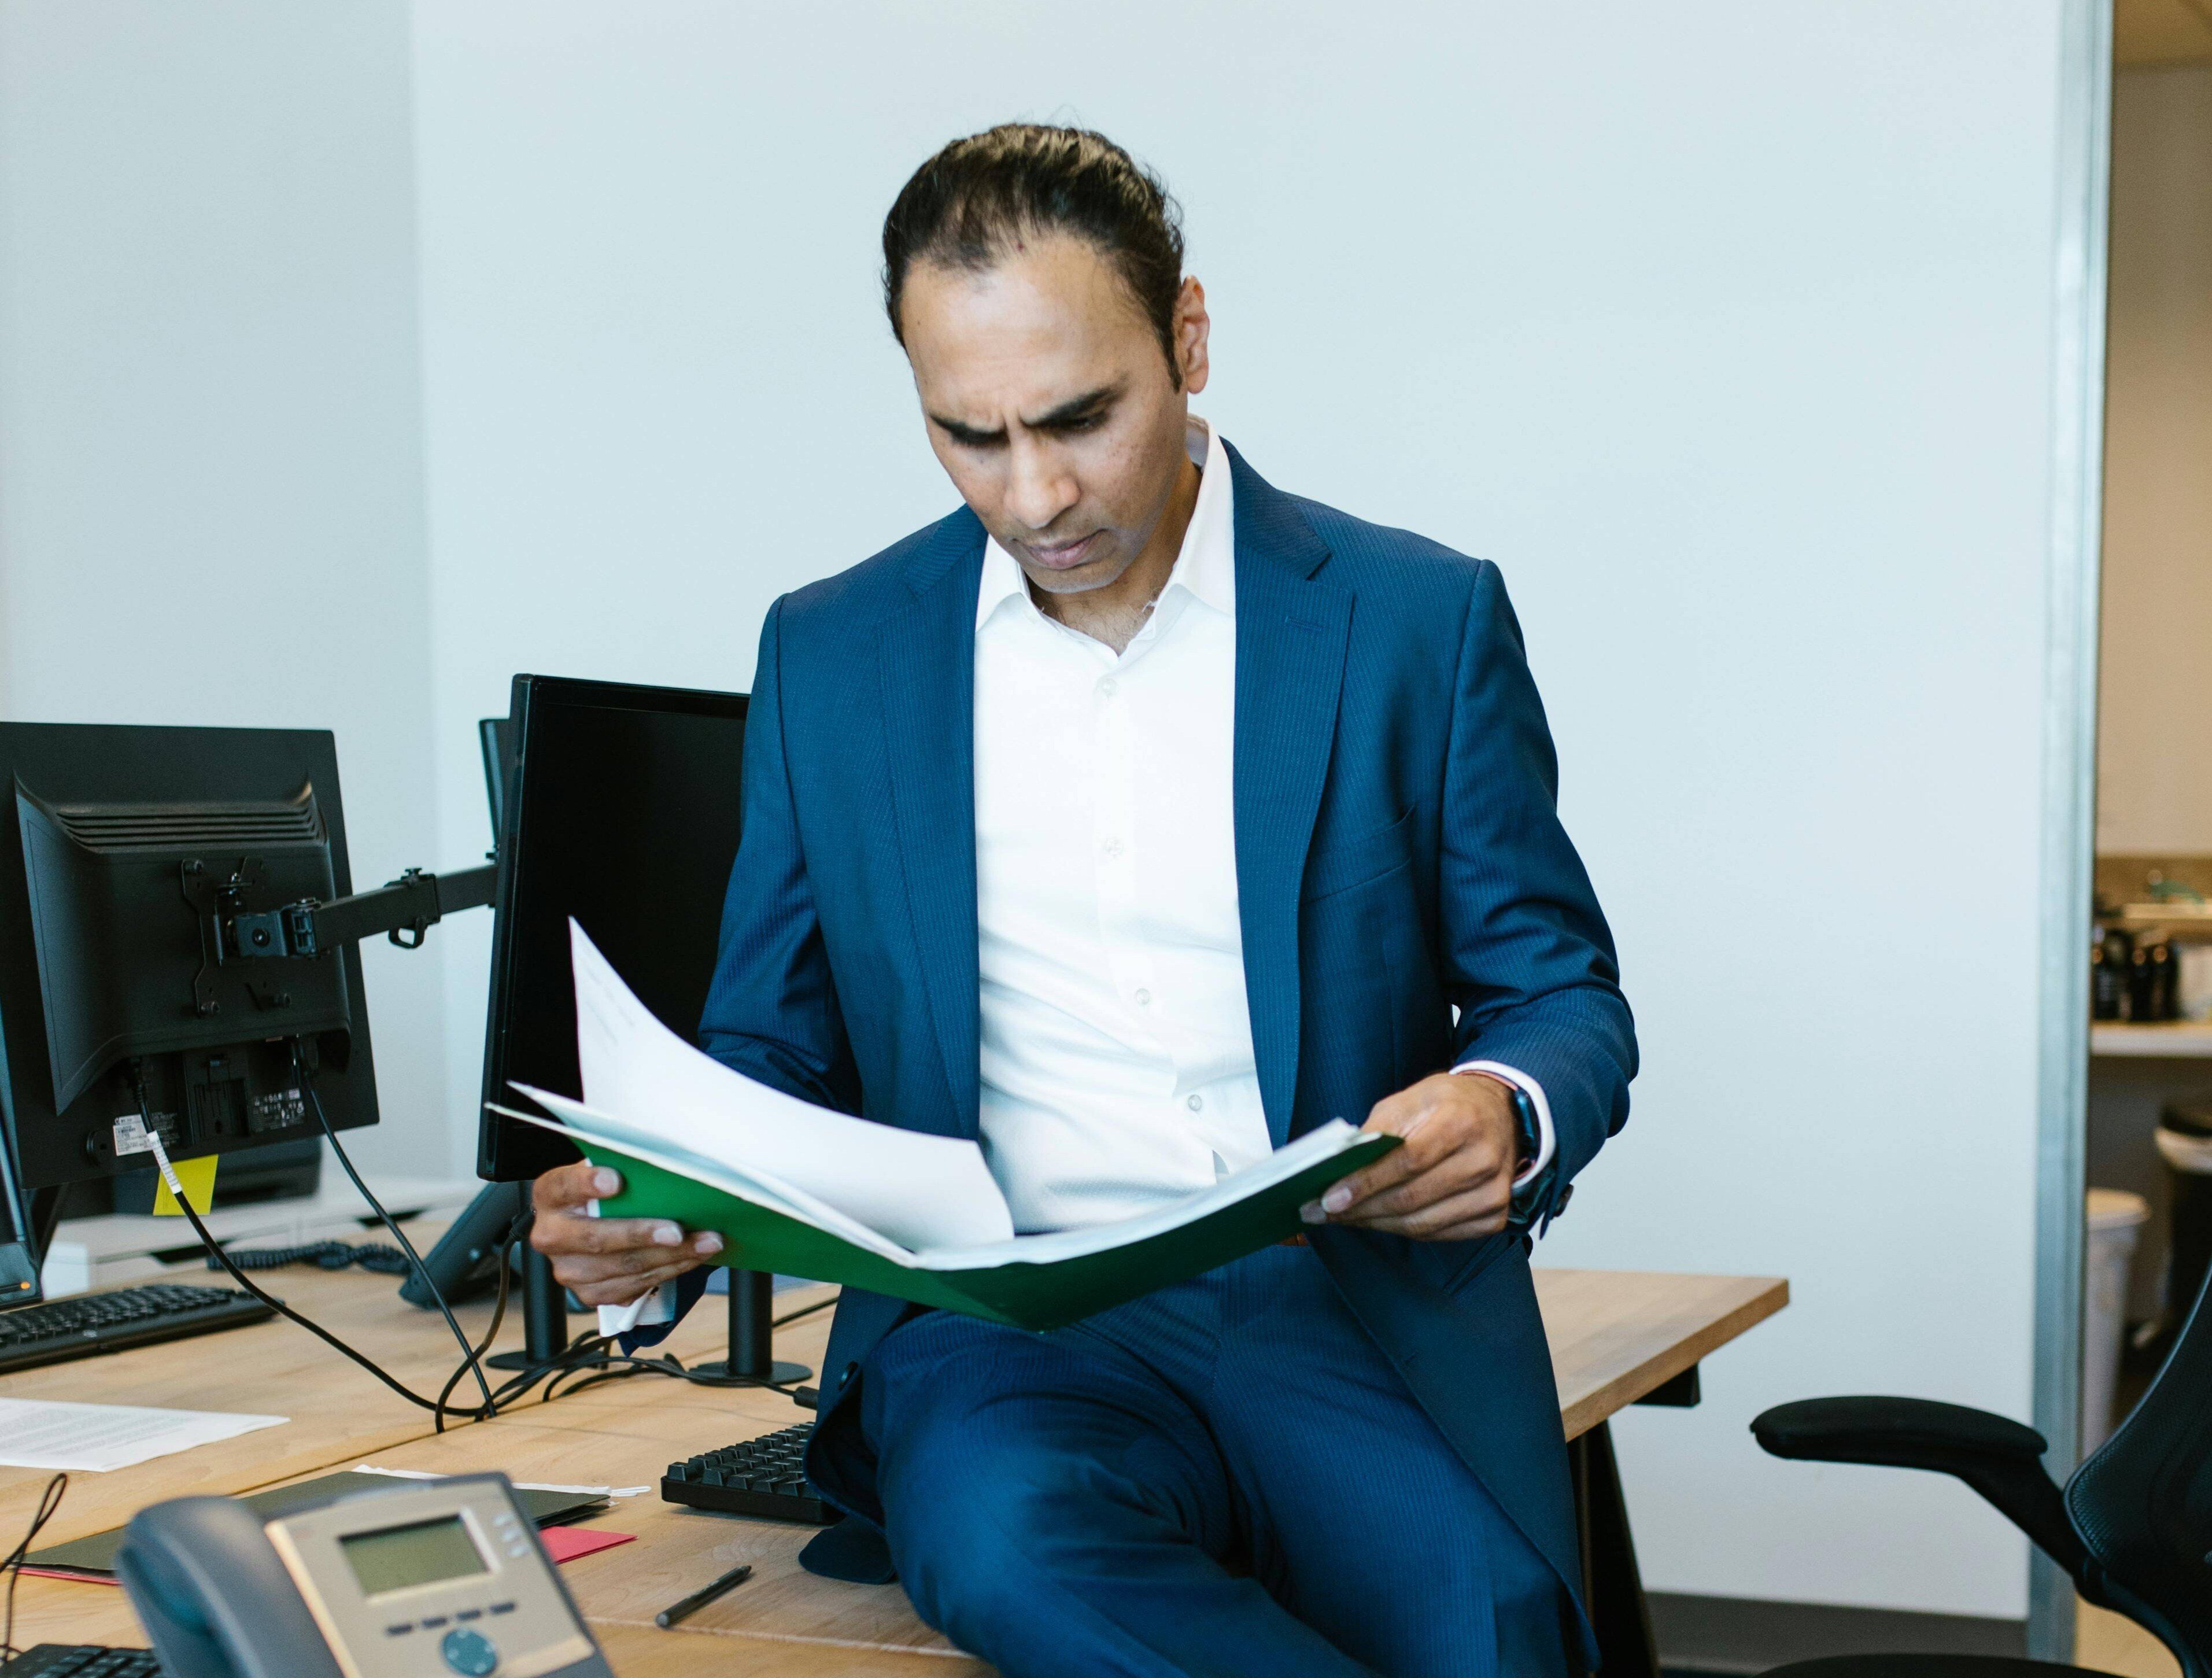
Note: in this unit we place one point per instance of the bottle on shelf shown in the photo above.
(2108, 978)
(2164, 981)
(2143, 987)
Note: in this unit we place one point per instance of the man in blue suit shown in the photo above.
(1131, 820)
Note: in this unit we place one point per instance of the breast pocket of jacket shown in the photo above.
(1364, 858)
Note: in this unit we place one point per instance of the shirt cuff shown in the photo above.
(1521, 1080)
(647, 1311)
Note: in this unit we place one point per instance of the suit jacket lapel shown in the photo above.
(1292, 629)
(926, 660)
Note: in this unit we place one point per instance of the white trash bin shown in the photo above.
(2116, 1218)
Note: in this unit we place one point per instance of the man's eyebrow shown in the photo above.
(1069, 412)
(1076, 408)
(969, 435)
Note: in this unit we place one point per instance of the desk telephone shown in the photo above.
(429, 1579)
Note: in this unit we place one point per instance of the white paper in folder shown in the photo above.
(919, 1190)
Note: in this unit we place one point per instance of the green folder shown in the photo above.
(1000, 1283)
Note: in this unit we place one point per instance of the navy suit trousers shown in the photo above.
(1226, 1476)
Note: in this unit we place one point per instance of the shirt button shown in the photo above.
(1112, 848)
(1144, 999)
(1109, 688)
(1196, 1103)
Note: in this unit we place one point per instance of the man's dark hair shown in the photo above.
(968, 206)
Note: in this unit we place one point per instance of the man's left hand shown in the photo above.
(1451, 1176)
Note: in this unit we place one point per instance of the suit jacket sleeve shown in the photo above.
(772, 1010)
(1528, 958)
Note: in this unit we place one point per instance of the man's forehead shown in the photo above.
(1044, 324)
(1028, 390)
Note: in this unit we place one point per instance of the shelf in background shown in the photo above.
(2181, 1039)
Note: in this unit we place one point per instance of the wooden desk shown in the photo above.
(1617, 1338)
(339, 1412)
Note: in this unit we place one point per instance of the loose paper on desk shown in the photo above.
(919, 1190)
(97, 1437)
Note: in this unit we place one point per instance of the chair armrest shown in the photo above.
(2001, 1459)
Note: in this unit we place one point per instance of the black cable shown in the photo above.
(586, 1358)
(372, 1257)
(469, 1358)
(804, 1310)
(12, 1564)
(611, 1365)
(518, 1229)
(215, 1248)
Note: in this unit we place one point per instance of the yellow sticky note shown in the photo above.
(197, 1176)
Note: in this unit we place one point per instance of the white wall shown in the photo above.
(1723, 326)
(211, 468)
(2153, 746)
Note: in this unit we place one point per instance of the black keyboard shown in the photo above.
(82, 1660)
(765, 1477)
(94, 1323)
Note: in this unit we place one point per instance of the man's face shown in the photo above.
(1048, 402)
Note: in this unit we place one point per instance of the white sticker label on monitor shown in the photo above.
(130, 1136)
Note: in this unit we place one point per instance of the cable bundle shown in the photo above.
(371, 1256)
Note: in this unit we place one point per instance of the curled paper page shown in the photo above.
(919, 1190)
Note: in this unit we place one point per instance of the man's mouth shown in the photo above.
(1064, 555)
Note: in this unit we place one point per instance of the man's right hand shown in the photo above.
(608, 1261)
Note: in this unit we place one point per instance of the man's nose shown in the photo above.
(1040, 488)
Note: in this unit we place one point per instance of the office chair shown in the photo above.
(2133, 1526)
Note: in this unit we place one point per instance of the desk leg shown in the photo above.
(1613, 1588)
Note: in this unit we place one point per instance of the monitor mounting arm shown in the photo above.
(404, 911)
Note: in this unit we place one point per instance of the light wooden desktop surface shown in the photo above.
(1615, 1336)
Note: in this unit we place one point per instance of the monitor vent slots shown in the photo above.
(123, 827)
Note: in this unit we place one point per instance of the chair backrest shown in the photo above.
(2142, 1503)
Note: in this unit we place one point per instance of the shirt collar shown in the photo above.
(1204, 567)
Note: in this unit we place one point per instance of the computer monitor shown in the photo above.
(19, 1251)
(496, 739)
(624, 811)
(131, 861)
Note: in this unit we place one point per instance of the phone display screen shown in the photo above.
(400, 1557)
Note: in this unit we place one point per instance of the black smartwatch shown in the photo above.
(1530, 1197)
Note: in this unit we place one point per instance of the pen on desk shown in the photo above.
(699, 1599)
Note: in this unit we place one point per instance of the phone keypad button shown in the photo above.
(400, 1631)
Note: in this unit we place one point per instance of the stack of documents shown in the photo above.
(802, 1191)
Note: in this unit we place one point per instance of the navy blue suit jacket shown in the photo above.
(1398, 856)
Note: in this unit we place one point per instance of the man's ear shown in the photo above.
(1192, 324)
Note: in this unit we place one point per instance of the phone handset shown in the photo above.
(216, 1597)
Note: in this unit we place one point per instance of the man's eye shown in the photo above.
(1087, 423)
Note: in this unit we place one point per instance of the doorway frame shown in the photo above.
(2072, 570)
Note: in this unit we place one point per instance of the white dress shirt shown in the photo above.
(1116, 1048)
(1117, 1067)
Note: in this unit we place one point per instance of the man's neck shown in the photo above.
(1116, 613)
